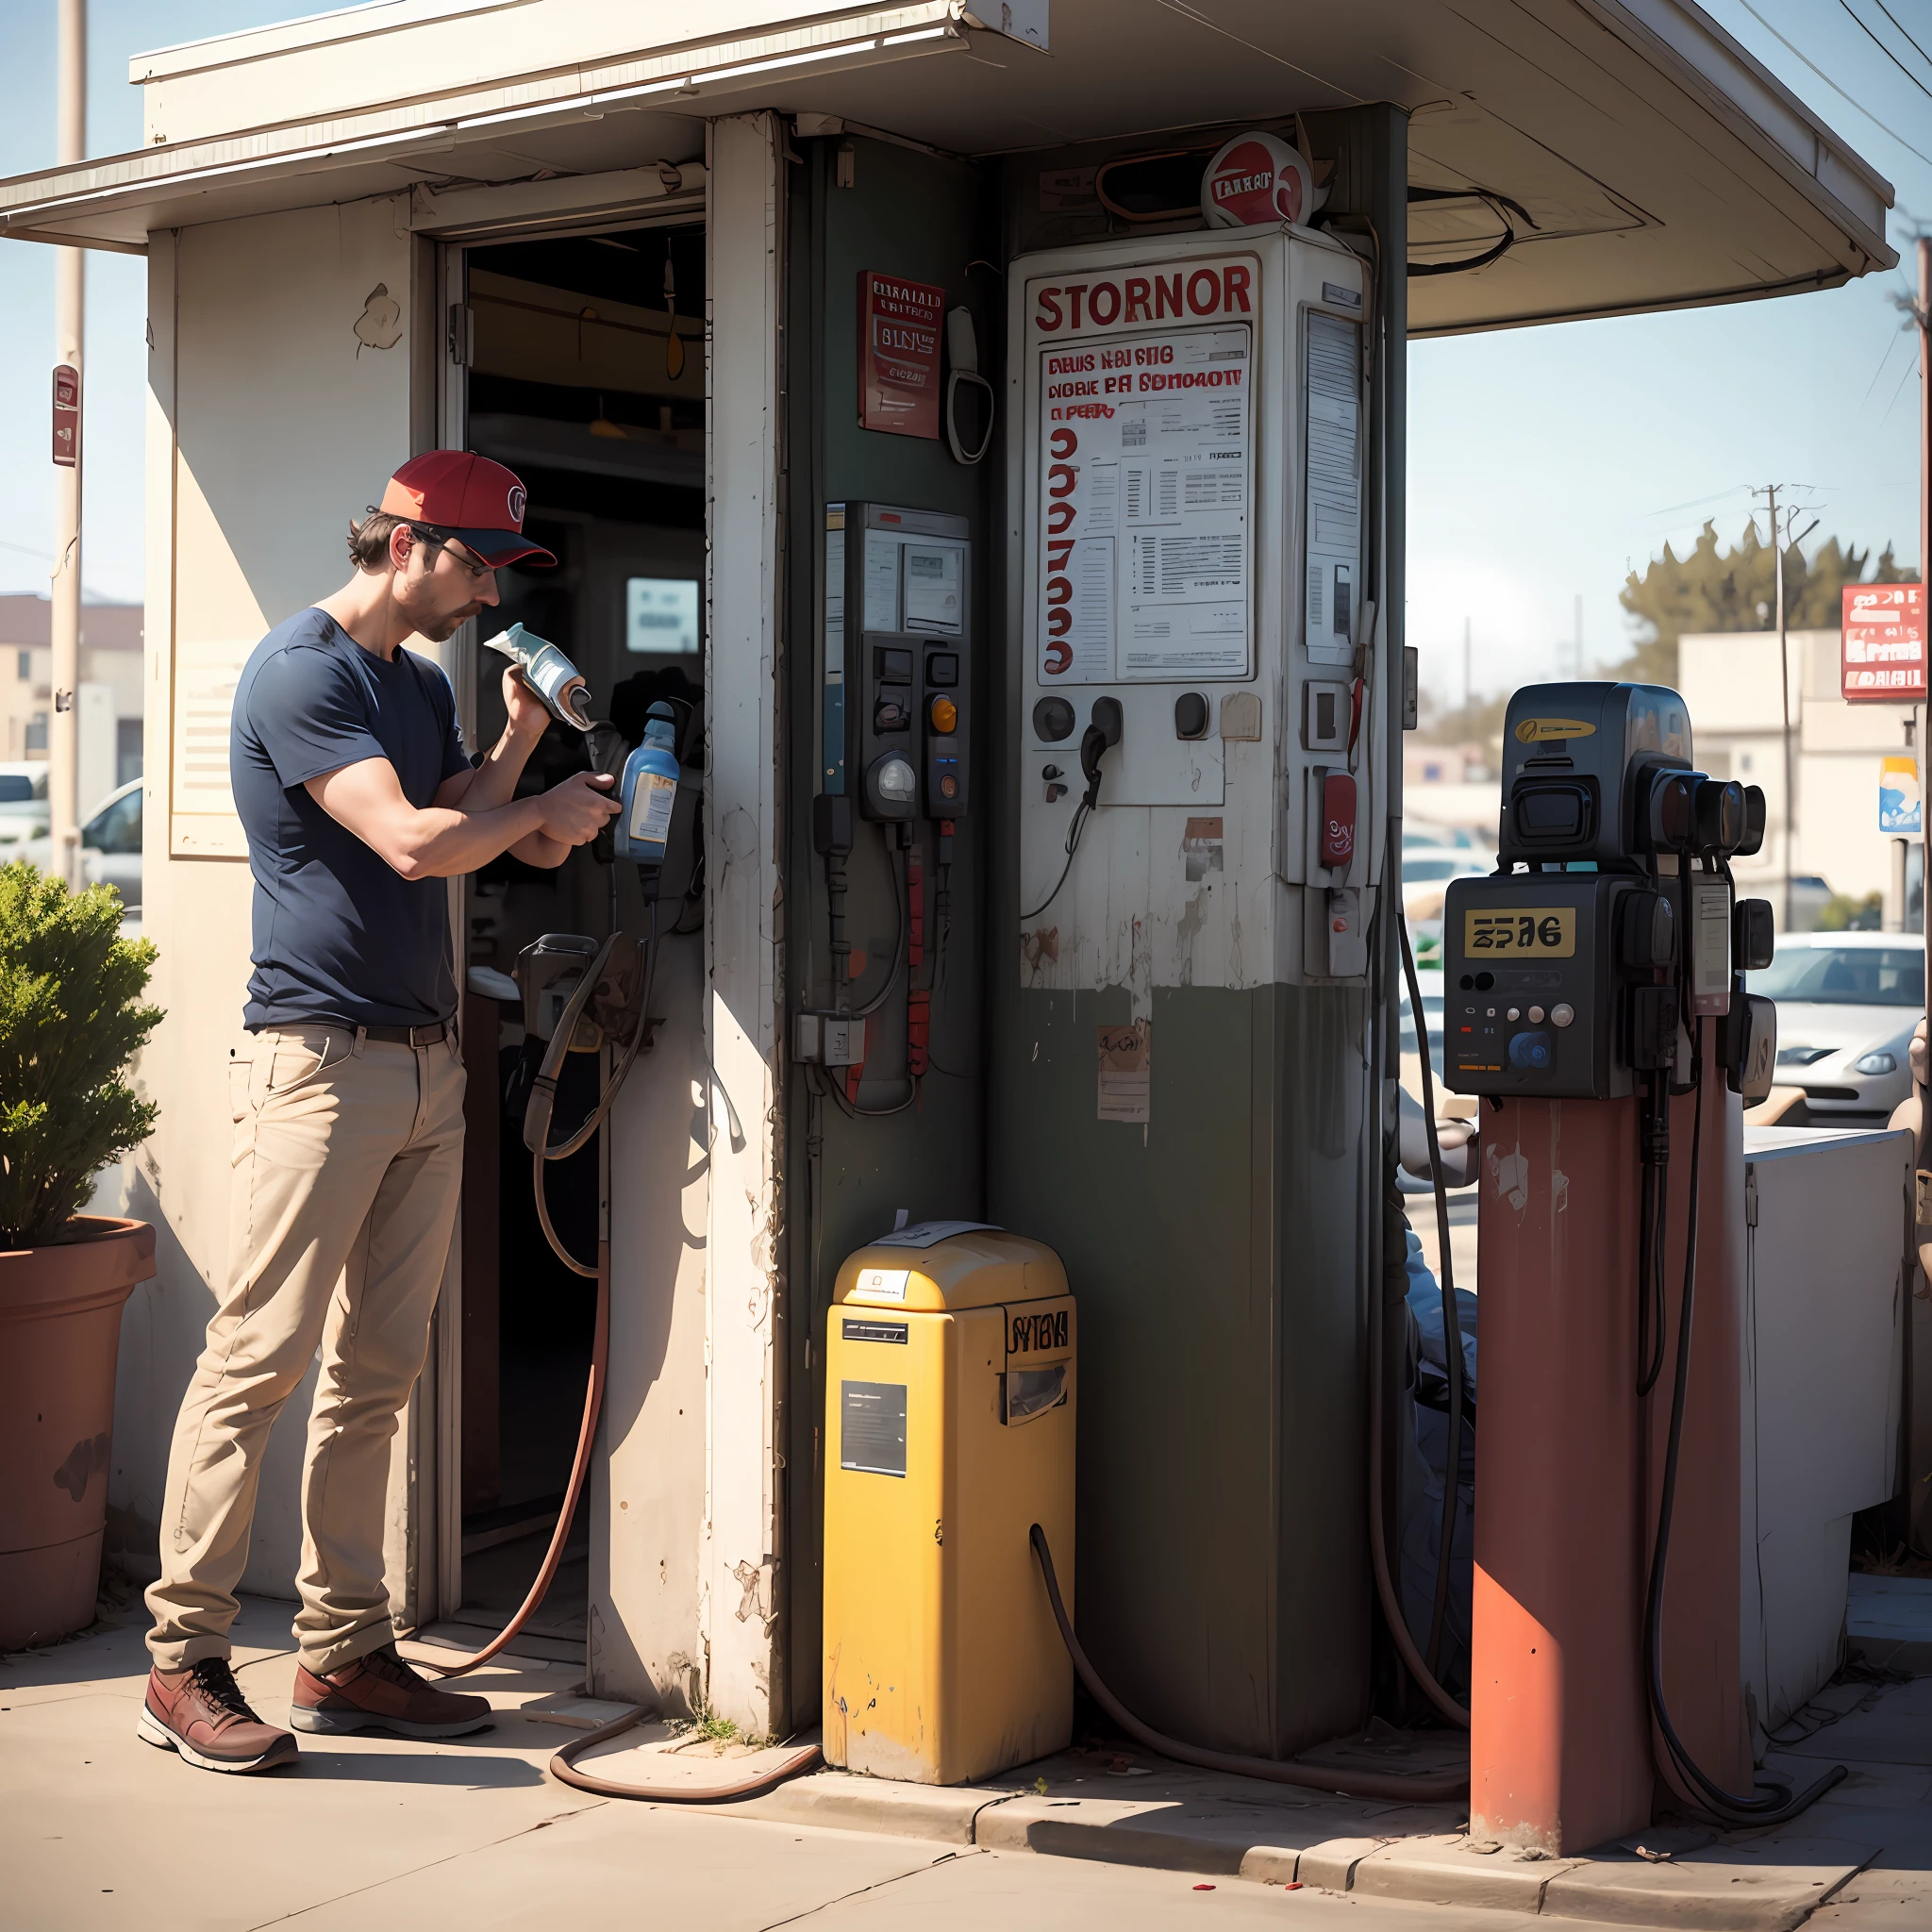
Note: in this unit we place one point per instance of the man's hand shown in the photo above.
(576, 810)
(528, 715)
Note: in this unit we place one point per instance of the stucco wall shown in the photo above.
(266, 432)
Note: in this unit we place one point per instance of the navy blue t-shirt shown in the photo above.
(340, 937)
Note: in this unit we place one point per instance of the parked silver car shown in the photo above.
(109, 845)
(1846, 1006)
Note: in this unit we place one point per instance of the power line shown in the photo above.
(1886, 51)
(1901, 27)
(1880, 370)
(1670, 509)
(1910, 372)
(1832, 84)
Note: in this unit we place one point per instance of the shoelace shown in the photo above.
(217, 1685)
(385, 1663)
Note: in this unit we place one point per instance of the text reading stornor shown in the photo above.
(1145, 482)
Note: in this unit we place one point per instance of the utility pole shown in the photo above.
(1784, 678)
(1925, 321)
(1468, 690)
(69, 319)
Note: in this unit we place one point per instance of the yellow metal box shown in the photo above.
(949, 1432)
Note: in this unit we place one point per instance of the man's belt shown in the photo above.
(432, 1035)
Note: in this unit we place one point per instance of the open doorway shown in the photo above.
(587, 378)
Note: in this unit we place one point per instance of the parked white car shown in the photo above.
(109, 845)
(1421, 833)
(1846, 1006)
(1426, 871)
(23, 805)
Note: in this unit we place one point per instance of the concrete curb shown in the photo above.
(1183, 1821)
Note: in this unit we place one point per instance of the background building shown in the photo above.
(110, 689)
(1730, 682)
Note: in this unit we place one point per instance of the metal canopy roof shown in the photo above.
(1662, 165)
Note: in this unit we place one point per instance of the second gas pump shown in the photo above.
(1593, 997)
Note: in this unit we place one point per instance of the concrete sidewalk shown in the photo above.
(98, 1829)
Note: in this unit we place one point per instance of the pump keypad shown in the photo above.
(1529, 988)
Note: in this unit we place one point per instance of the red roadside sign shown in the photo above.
(1882, 655)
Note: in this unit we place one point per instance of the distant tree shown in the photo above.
(1479, 722)
(1738, 590)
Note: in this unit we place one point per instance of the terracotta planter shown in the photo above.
(59, 1330)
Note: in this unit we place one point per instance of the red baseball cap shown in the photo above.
(466, 496)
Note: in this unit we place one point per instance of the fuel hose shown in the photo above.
(1280, 1771)
(538, 1127)
(1772, 1803)
(798, 1759)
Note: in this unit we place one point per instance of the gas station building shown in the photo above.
(681, 285)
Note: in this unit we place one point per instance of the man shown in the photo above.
(347, 1103)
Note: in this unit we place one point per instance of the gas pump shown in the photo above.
(580, 995)
(1593, 998)
(898, 732)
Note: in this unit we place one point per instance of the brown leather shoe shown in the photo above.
(381, 1692)
(201, 1713)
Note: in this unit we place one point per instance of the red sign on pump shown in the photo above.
(1338, 821)
(66, 415)
(1882, 653)
(899, 327)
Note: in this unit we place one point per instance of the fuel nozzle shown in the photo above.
(1755, 815)
(1718, 816)
(1690, 812)
(544, 668)
(1101, 735)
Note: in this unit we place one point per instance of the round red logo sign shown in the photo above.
(517, 501)
(1256, 181)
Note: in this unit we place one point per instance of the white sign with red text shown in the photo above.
(1883, 652)
(1145, 480)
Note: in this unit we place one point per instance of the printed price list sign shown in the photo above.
(1145, 476)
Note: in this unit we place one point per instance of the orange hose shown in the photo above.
(579, 1471)
(563, 1767)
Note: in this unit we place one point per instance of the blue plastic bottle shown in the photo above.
(649, 790)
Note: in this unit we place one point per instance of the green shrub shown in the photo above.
(69, 1026)
(1842, 913)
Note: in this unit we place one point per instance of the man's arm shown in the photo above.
(440, 841)
(494, 783)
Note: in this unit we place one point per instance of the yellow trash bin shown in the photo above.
(949, 1433)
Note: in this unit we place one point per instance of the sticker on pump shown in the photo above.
(1548, 931)
(882, 1284)
(650, 807)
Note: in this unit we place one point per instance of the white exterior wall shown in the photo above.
(266, 432)
(252, 478)
(741, 1020)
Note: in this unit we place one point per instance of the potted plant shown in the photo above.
(71, 1020)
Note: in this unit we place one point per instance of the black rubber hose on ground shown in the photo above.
(1314, 1777)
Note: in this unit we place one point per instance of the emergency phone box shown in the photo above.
(949, 1432)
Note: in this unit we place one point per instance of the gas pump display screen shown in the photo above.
(1548, 932)
(1145, 482)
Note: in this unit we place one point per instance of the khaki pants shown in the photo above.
(348, 1156)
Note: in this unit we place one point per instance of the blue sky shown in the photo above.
(1574, 462)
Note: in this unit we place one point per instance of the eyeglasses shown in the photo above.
(441, 540)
